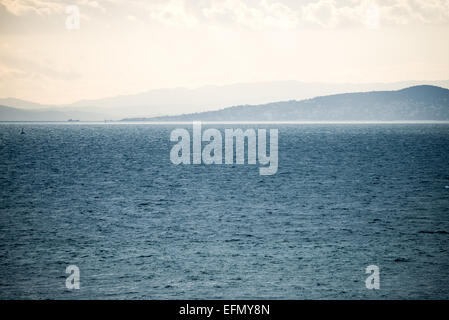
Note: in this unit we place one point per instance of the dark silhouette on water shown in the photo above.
(23, 132)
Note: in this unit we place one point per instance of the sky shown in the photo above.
(58, 52)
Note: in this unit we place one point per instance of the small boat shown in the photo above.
(23, 132)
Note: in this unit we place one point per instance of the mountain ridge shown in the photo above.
(14, 114)
(181, 100)
(422, 102)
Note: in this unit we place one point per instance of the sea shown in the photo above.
(106, 198)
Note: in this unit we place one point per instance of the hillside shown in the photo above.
(16, 114)
(414, 103)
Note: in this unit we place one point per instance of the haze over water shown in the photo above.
(107, 199)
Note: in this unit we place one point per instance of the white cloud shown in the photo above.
(257, 14)
(45, 7)
(172, 13)
(39, 7)
(327, 13)
(416, 11)
(324, 13)
(331, 13)
(265, 14)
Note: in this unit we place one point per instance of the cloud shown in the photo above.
(415, 11)
(255, 15)
(264, 14)
(331, 13)
(44, 7)
(39, 7)
(172, 13)
(324, 13)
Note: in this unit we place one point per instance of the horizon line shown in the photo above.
(118, 122)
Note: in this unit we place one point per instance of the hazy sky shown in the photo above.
(130, 46)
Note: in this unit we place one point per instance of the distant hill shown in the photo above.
(175, 101)
(423, 102)
(21, 104)
(163, 103)
(15, 114)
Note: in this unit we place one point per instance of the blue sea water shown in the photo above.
(107, 198)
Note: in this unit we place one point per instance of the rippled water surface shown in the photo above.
(107, 199)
